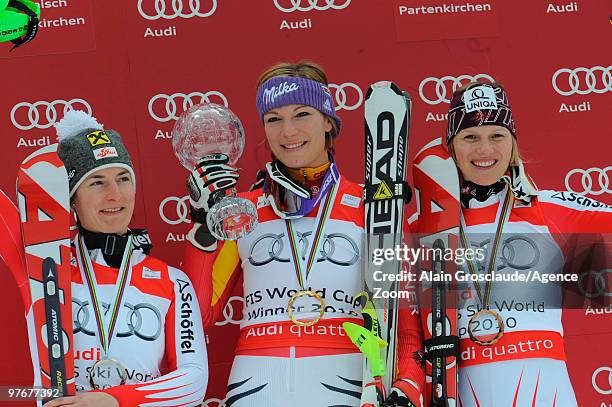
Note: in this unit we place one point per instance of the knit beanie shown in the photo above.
(85, 147)
(479, 105)
(289, 90)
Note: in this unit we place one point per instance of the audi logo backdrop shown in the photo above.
(136, 65)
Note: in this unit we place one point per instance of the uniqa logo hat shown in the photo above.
(479, 105)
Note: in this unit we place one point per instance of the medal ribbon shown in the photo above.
(329, 188)
(503, 213)
(331, 177)
(105, 334)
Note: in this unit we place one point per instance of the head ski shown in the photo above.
(387, 119)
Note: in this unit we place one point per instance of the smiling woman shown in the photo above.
(113, 271)
(104, 202)
(301, 265)
(295, 135)
(526, 232)
(481, 137)
(484, 147)
(483, 153)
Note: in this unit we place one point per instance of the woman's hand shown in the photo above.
(209, 180)
(89, 399)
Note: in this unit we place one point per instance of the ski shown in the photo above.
(11, 248)
(387, 119)
(44, 210)
(436, 184)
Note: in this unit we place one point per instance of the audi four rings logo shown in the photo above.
(441, 89)
(343, 101)
(268, 248)
(171, 9)
(594, 181)
(229, 312)
(163, 108)
(178, 211)
(599, 283)
(517, 252)
(601, 374)
(289, 6)
(133, 320)
(43, 114)
(582, 81)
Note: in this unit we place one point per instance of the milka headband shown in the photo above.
(292, 90)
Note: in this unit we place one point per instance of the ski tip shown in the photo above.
(385, 85)
(431, 144)
(52, 148)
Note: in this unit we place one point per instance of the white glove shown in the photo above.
(209, 180)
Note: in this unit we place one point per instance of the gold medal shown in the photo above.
(107, 373)
(305, 293)
(500, 329)
(298, 250)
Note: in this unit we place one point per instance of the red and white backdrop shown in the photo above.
(136, 65)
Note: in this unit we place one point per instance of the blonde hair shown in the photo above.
(309, 70)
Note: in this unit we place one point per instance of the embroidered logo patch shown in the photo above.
(480, 98)
(97, 138)
(151, 274)
(350, 200)
(105, 152)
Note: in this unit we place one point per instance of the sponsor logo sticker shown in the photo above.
(327, 105)
(262, 201)
(383, 192)
(480, 98)
(350, 200)
(151, 274)
(97, 138)
(105, 152)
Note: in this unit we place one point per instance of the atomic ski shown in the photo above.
(44, 209)
(387, 119)
(436, 184)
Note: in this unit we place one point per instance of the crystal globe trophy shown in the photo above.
(209, 128)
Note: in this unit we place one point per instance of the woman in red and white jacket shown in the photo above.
(305, 255)
(130, 310)
(530, 231)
